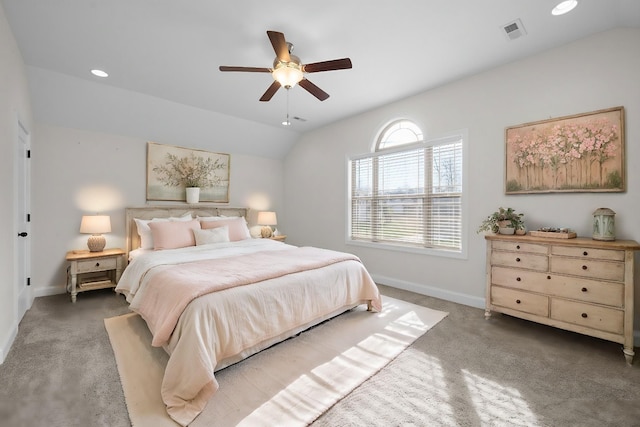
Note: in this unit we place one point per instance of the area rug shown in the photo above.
(289, 384)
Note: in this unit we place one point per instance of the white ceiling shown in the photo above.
(172, 49)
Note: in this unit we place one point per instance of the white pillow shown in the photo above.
(146, 238)
(211, 235)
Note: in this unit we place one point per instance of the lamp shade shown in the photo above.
(267, 218)
(95, 224)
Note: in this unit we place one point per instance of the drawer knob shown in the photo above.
(584, 267)
(518, 279)
(517, 301)
(518, 247)
(517, 259)
(548, 277)
(584, 315)
(585, 253)
(97, 264)
(584, 289)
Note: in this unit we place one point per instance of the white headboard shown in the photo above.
(150, 212)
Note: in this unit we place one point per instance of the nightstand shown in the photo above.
(279, 238)
(93, 270)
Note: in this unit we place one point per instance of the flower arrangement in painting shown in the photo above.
(502, 218)
(565, 156)
(192, 171)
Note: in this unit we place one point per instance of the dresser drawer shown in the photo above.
(520, 247)
(521, 301)
(606, 293)
(520, 279)
(606, 270)
(588, 253)
(520, 260)
(591, 316)
(100, 264)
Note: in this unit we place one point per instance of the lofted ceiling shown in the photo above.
(172, 49)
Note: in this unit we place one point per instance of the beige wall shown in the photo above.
(590, 74)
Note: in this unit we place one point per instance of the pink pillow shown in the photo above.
(173, 234)
(238, 229)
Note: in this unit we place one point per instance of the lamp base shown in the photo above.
(266, 232)
(96, 243)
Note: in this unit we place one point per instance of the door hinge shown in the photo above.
(28, 154)
(28, 217)
(28, 281)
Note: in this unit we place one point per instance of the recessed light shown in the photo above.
(564, 7)
(99, 73)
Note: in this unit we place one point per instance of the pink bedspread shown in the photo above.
(172, 287)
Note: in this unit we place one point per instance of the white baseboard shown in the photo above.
(49, 290)
(431, 291)
(6, 346)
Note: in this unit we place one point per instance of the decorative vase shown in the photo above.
(604, 227)
(193, 195)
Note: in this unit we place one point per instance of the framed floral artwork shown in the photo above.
(579, 153)
(171, 170)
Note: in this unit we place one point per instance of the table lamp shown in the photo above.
(96, 225)
(267, 219)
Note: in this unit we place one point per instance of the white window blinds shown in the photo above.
(410, 196)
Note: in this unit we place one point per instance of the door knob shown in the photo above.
(23, 234)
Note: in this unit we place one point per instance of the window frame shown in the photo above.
(458, 135)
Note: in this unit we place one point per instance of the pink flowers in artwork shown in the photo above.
(570, 154)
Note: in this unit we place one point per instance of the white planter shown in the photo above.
(193, 195)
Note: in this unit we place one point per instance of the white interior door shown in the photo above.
(23, 222)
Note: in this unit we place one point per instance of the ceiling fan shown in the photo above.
(288, 70)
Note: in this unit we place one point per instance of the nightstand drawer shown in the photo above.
(591, 316)
(99, 264)
(521, 301)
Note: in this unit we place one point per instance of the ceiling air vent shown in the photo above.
(514, 30)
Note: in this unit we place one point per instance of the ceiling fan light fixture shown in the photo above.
(287, 74)
(564, 7)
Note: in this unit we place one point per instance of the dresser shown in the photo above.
(581, 285)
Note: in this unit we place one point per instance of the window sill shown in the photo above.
(398, 248)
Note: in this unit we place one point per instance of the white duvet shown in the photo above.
(224, 327)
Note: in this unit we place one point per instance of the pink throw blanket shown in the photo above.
(171, 288)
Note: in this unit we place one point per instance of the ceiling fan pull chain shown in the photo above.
(287, 122)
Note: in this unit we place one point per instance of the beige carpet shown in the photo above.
(289, 384)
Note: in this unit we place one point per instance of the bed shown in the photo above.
(229, 296)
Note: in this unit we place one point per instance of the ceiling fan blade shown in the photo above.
(271, 91)
(336, 64)
(279, 45)
(313, 89)
(246, 69)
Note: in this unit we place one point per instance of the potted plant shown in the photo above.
(503, 221)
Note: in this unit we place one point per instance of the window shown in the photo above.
(408, 193)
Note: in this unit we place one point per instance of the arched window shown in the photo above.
(400, 132)
(408, 193)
